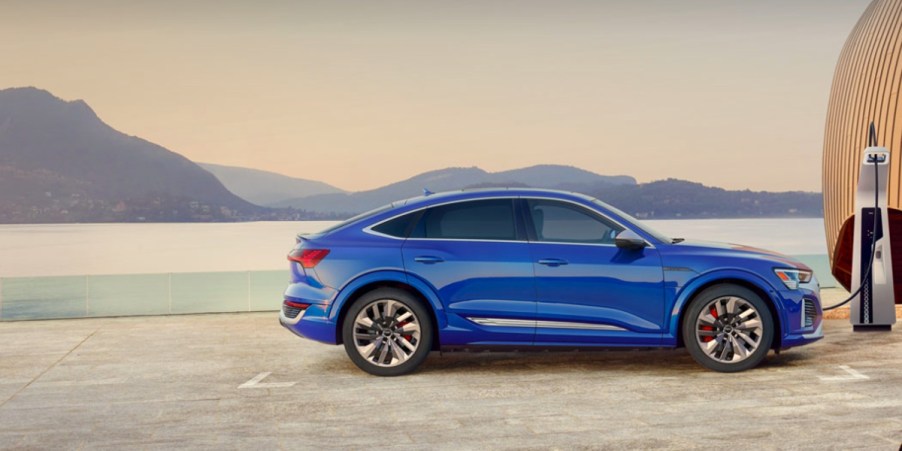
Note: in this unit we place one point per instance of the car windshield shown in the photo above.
(636, 223)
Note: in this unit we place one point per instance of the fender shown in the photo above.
(691, 289)
(349, 288)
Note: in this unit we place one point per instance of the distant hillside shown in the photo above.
(552, 176)
(672, 198)
(543, 176)
(60, 163)
(266, 188)
(663, 199)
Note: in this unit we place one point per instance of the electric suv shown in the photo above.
(523, 268)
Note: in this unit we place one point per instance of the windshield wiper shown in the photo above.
(677, 240)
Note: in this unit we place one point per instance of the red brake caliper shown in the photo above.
(406, 337)
(714, 314)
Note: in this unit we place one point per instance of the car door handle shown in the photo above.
(552, 262)
(427, 259)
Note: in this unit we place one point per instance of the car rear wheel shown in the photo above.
(728, 328)
(387, 332)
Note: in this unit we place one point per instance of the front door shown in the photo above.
(589, 291)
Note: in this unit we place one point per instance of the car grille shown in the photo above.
(810, 312)
(290, 312)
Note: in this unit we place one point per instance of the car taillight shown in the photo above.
(308, 258)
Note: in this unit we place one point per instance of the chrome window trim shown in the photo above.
(505, 322)
(369, 229)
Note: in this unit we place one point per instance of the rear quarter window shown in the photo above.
(398, 227)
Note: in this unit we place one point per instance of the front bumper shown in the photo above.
(803, 315)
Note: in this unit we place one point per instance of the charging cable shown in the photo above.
(873, 142)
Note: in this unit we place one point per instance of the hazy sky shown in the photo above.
(362, 93)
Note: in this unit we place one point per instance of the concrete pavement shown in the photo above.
(239, 381)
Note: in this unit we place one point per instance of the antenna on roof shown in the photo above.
(426, 192)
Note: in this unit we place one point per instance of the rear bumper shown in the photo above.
(312, 323)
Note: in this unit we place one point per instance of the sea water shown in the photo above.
(80, 249)
(89, 270)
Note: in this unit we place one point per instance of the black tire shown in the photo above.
(376, 303)
(716, 346)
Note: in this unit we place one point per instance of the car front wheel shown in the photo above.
(728, 328)
(387, 332)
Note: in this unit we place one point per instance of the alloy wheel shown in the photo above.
(729, 329)
(386, 333)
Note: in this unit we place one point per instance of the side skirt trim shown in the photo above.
(504, 322)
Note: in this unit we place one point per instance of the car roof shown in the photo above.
(404, 206)
(482, 193)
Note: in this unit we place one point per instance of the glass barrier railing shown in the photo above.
(23, 298)
(28, 298)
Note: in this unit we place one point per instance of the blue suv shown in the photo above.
(523, 268)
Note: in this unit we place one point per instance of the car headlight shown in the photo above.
(793, 277)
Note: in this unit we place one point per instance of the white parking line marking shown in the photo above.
(255, 382)
(852, 375)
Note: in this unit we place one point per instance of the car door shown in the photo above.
(476, 257)
(588, 290)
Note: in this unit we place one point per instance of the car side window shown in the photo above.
(564, 222)
(490, 219)
(397, 227)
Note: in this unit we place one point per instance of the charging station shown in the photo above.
(873, 308)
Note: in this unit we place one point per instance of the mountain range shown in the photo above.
(59, 162)
(674, 199)
(662, 199)
(543, 176)
(264, 187)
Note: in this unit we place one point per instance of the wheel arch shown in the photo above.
(388, 279)
(746, 280)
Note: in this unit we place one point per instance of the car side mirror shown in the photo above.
(628, 239)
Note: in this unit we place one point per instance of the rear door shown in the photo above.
(476, 257)
(589, 290)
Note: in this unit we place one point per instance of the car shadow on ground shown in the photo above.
(555, 362)
(672, 362)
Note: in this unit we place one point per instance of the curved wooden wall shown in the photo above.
(866, 87)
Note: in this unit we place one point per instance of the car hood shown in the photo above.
(740, 250)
